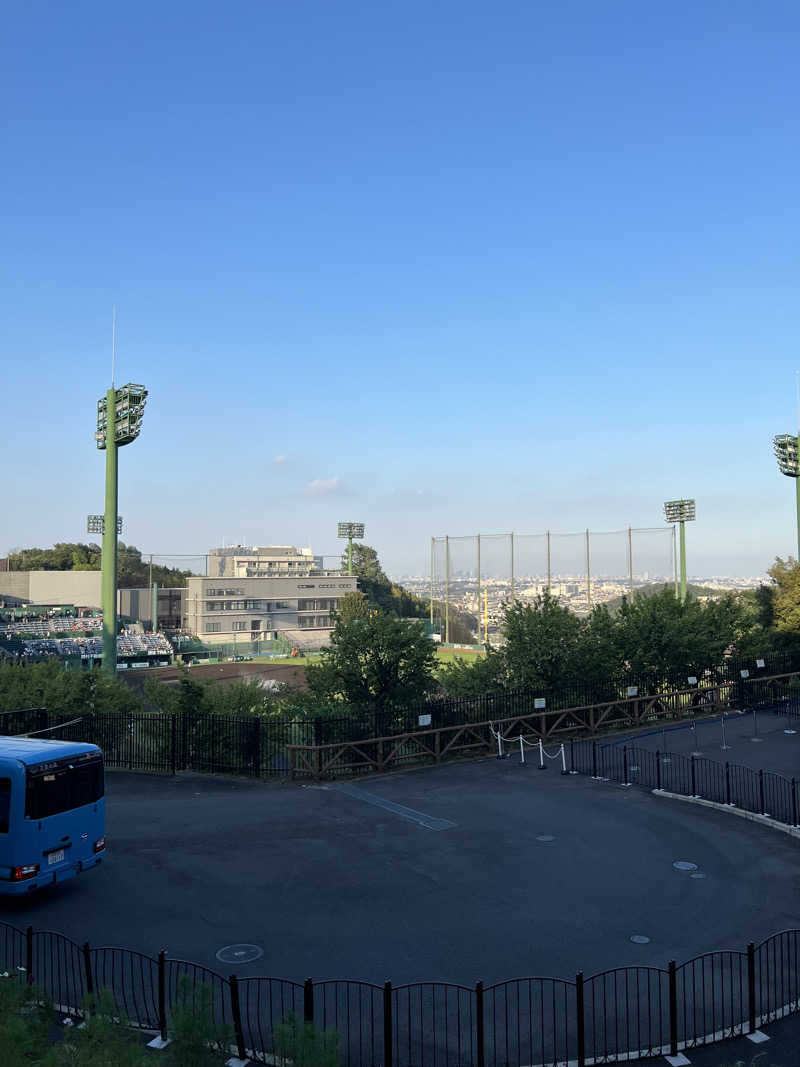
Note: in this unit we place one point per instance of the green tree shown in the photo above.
(785, 575)
(353, 606)
(474, 676)
(379, 662)
(542, 641)
(132, 569)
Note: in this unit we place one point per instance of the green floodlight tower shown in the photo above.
(119, 420)
(681, 511)
(350, 530)
(787, 449)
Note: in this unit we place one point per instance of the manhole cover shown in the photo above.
(684, 865)
(640, 939)
(240, 953)
(545, 837)
(697, 874)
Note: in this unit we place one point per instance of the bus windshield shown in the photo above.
(63, 785)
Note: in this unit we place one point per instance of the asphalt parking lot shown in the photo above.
(499, 871)
(762, 740)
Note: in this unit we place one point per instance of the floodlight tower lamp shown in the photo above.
(119, 422)
(350, 530)
(787, 453)
(681, 512)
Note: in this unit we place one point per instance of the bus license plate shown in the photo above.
(56, 857)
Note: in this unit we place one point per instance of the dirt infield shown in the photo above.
(224, 673)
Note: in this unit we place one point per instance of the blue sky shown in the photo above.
(440, 267)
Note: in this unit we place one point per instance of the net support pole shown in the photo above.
(675, 561)
(433, 543)
(548, 561)
(478, 602)
(588, 574)
(630, 561)
(154, 607)
(512, 568)
(447, 589)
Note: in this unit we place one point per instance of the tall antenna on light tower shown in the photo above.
(113, 344)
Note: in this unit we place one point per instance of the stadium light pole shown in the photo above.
(681, 511)
(787, 449)
(119, 420)
(350, 530)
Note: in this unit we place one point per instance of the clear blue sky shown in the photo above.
(440, 267)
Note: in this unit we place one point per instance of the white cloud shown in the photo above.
(325, 487)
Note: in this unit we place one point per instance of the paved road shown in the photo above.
(776, 750)
(330, 885)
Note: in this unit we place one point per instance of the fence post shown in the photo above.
(162, 994)
(174, 740)
(673, 1008)
(658, 769)
(625, 765)
(257, 748)
(794, 802)
(236, 1012)
(694, 778)
(480, 1053)
(728, 784)
(308, 1001)
(87, 966)
(572, 755)
(184, 746)
(751, 986)
(387, 1024)
(594, 759)
(761, 801)
(580, 1009)
(29, 952)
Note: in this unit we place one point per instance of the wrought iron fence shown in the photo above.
(616, 1015)
(762, 792)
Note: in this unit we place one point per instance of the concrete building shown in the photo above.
(81, 588)
(246, 609)
(268, 561)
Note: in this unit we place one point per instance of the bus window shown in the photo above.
(5, 803)
(63, 787)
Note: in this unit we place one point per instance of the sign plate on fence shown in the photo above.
(424, 720)
(539, 703)
(633, 690)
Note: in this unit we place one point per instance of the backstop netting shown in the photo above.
(197, 565)
(481, 573)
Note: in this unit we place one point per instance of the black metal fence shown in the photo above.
(261, 747)
(618, 1014)
(762, 792)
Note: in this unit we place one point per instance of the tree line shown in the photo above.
(133, 570)
(381, 660)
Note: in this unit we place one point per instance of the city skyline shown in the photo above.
(436, 270)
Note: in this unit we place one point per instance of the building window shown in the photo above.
(255, 624)
(239, 625)
(213, 627)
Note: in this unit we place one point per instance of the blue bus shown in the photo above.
(52, 811)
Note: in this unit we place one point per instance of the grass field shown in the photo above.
(449, 655)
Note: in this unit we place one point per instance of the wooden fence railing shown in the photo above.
(436, 744)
